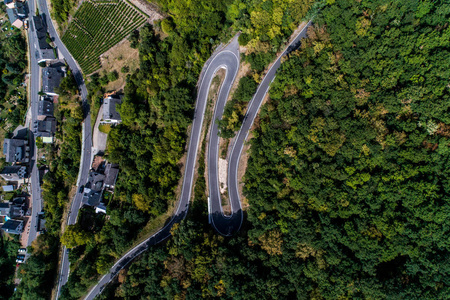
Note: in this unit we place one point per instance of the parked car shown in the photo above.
(26, 24)
(23, 250)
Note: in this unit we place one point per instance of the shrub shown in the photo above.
(113, 76)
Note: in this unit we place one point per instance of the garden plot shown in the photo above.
(96, 27)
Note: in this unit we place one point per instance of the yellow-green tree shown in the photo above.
(75, 236)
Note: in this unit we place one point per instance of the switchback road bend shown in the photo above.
(224, 59)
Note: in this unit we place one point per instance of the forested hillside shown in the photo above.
(156, 111)
(347, 178)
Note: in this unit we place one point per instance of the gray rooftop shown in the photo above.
(47, 127)
(111, 172)
(45, 108)
(95, 181)
(110, 109)
(4, 209)
(15, 211)
(51, 78)
(13, 226)
(15, 150)
(19, 171)
(93, 189)
(92, 199)
(46, 51)
(12, 14)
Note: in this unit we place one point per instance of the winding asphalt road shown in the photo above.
(228, 59)
(227, 225)
(225, 59)
(85, 162)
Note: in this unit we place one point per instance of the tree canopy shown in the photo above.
(347, 176)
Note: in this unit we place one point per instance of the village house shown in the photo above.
(110, 113)
(16, 151)
(45, 51)
(51, 78)
(14, 173)
(13, 226)
(17, 11)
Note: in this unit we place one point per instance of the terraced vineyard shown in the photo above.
(96, 27)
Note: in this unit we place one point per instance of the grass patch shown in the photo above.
(105, 128)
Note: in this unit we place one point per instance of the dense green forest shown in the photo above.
(347, 177)
(8, 254)
(234, 111)
(148, 145)
(156, 112)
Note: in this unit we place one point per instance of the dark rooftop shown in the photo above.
(47, 127)
(15, 150)
(13, 226)
(41, 223)
(51, 78)
(41, 33)
(110, 109)
(22, 9)
(45, 108)
(111, 172)
(19, 170)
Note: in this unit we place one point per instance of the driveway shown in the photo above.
(98, 138)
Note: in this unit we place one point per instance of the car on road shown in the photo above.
(80, 190)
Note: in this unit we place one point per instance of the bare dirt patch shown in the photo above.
(119, 56)
(150, 9)
(223, 147)
(223, 172)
